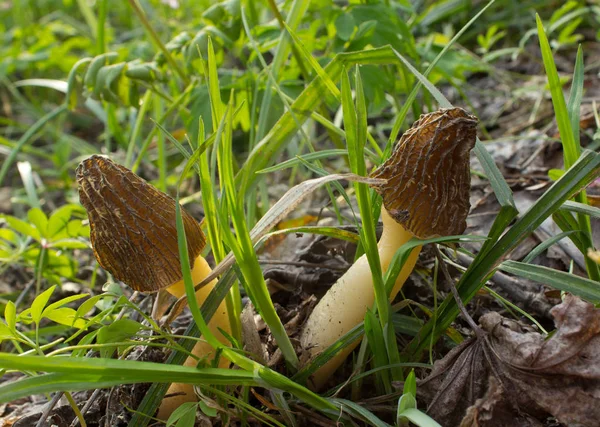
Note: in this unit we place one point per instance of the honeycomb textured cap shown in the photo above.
(132, 224)
(428, 178)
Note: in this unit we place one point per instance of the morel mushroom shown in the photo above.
(426, 194)
(134, 237)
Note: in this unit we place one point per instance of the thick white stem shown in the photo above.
(185, 392)
(345, 304)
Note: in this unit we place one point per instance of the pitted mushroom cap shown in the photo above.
(428, 178)
(132, 224)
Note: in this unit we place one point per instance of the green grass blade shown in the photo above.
(539, 249)
(243, 248)
(30, 133)
(72, 374)
(567, 222)
(501, 189)
(302, 107)
(216, 105)
(581, 208)
(297, 10)
(317, 155)
(584, 288)
(571, 148)
(358, 411)
(234, 300)
(574, 102)
(567, 120)
(314, 64)
(355, 124)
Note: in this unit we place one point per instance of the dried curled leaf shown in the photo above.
(519, 376)
(428, 181)
(132, 223)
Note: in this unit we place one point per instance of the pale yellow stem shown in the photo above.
(220, 320)
(345, 304)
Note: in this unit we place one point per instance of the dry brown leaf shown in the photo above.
(494, 410)
(535, 377)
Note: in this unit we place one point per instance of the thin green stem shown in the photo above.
(158, 42)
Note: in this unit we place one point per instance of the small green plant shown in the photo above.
(44, 243)
(407, 406)
(10, 329)
(489, 39)
(566, 20)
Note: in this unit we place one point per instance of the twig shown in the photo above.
(24, 293)
(48, 409)
(478, 331)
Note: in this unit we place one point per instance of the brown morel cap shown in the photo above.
(428, 179)
(132, 223)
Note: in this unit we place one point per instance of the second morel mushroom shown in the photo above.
(426, 194)
(134, 237)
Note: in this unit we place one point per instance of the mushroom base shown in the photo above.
(344, 306)
(182, 393)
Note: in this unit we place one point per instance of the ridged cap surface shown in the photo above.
(428, 178)
(132, 224)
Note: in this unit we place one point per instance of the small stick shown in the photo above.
(48, 409)
(459, 302)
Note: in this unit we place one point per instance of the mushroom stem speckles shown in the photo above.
(425, 194)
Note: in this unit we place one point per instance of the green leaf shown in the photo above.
(10, 315)
(64, 301)
(345, 26)
(65, 316)
(118, 331)
(39, 219)
(419, 418)
(88, 305)
(207, 410)
(22, 227)
(555, 174)
(6, 333)
(39, 303)
(9, 236)
(59, 220)
(184, 415)
(75, 84)
(69, 244)
(410, 384)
